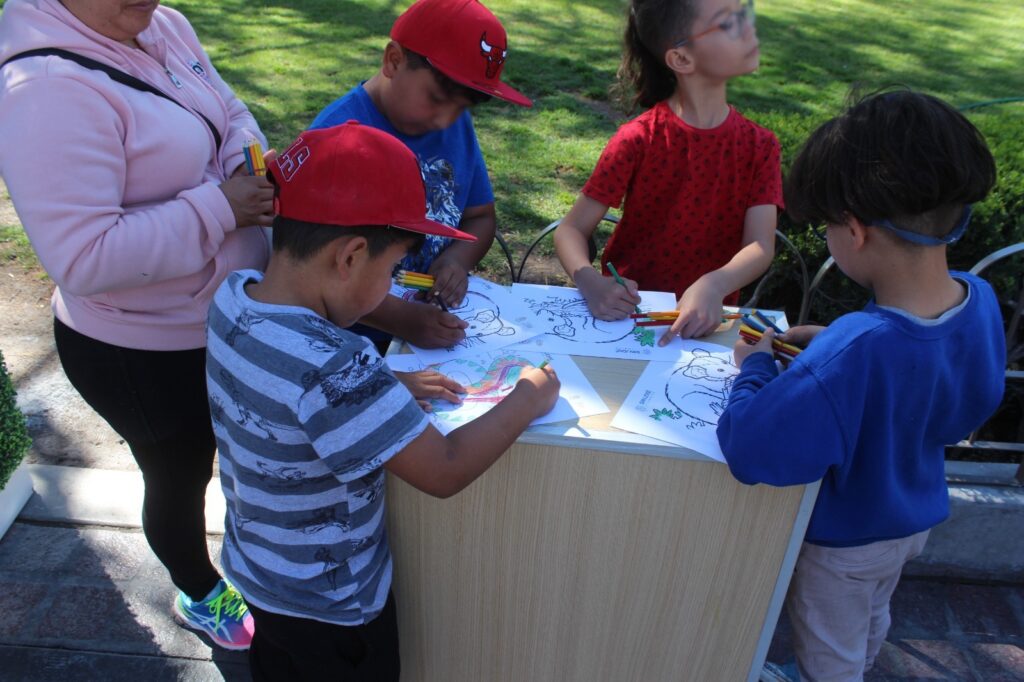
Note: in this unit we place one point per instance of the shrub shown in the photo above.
(14, 440)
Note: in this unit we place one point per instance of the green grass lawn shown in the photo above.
(289, 58)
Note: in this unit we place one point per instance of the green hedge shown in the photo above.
(14, 440)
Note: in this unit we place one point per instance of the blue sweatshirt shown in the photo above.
(868, 408)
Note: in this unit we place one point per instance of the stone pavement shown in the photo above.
(83, 598)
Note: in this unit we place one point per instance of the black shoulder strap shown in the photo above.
(115, 74)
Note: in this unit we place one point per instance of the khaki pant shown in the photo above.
(838, 603)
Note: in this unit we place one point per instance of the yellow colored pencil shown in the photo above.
(256, 158)
(776, 343)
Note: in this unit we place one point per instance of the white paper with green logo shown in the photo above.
(563, 325)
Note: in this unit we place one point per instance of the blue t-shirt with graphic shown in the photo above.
(452, 166)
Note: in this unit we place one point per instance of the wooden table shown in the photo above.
(588, 554)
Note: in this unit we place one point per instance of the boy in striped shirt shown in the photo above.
(307, 415)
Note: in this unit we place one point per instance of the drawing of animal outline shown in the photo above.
(484, 318)
(715, 376)
(577, 323)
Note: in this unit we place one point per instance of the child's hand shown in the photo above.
(251, 199)
(743, 348)
(427, 326)
(545, 385)
(700, 312)
(430, 385)
(802, 335)
(606, 298)
(450, 281)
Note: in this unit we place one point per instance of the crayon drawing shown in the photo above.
(681, 402)
(563, 324)
(489, 377)
(493, 316)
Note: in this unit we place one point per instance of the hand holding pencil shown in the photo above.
(606, 297)
(700, 312)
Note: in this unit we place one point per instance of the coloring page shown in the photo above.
(489, 377)
(680, 402)
(563, 325)
(495, 320)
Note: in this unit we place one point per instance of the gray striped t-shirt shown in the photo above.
(305, 415)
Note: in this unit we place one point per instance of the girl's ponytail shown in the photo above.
(652, 26)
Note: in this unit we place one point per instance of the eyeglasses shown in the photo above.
(916, 237)
(732, 25)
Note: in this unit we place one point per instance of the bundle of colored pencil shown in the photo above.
(414, 280)
(782, 350)
(254, 158)
(759, 322)
(665, 318)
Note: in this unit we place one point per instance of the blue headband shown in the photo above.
(924, 239)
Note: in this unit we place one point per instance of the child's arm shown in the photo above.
(442, 466)
(421, 324)
(700, 306)
(606, 298)
(779, 429)
(452, 266)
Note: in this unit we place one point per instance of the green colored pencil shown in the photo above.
(615, 274)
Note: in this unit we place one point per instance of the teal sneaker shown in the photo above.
(223, 616)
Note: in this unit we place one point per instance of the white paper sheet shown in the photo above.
(489, 377)
(494, 315)
(680, 402)
(563, 324)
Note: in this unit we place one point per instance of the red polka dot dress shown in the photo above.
(687, 192)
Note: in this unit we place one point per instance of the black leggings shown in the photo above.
(156, 401)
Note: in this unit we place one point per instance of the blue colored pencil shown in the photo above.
(767, 321)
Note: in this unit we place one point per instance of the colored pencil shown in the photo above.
(414, 285)
(787, 349)
(767, 321)
(615, 274)
(780, 345)
(754, 323)
(253, 152)
(542, 365)
(414, 277)
(248, 160)
(673, 314)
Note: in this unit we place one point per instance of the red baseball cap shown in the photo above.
(462, 40)
(353, 174)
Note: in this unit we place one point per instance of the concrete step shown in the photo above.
(101, 497)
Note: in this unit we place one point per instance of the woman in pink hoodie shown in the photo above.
(138, 205)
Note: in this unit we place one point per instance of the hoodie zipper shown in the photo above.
(174, 79)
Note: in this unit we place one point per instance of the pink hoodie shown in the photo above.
(117, 188)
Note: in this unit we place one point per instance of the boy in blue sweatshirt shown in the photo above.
(870, 404)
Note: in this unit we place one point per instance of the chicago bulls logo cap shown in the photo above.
(463, 40)
(353, 174)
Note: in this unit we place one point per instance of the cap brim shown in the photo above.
(434, 228)
(501, 90)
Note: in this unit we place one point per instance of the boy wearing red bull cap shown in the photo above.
(307, 415)
(444, 57)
